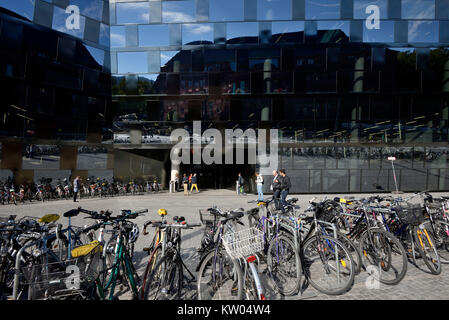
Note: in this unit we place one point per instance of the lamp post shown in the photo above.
(393, 159)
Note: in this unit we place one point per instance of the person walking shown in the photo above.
(285, 188)
(259, 184)
(240, 182)
(185, 182)
(276, 188)
(190, 180)
(194, 183)
(76, 187)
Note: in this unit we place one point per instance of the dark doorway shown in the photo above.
(194, 112)
(221, 176)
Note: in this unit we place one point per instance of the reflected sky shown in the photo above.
(361, 5)
(166, 56)
(178, 11)
(90, 8)
(226, 10)
(423, 31)
(418, 9)
(243, 29)
(384, 34)
(274, 9)
(197, 32)
(132, 62)
(322, 9)
(104, 35)
(118, 39)
(153, 35)
(133, 12)
(97, 54)
(25, 8)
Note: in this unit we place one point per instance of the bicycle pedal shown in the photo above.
(146, 249)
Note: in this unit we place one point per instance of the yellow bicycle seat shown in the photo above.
(86, 249)
(261, 203)
(162, 212)
(345, 201)
(48, 218)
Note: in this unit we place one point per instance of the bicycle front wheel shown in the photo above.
(284, 265)
(328, 265)
(165, 281)
(427, 249)
(219, 278)
(383, 256)
(440, 234)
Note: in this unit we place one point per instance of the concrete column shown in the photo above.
(358, 74)
(135, 135)
(174, 173)
(355, 116)
(267, 74)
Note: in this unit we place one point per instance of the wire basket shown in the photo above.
(243, 243)
(413, 214)
(63, 280)
(207, 218)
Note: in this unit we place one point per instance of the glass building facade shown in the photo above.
(55, 88)
(347, 83)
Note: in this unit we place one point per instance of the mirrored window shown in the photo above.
(322, 9)
(291, 31)
(197, 33)
(246, 32)
(384, 34)
(178, 11)
(274, 9)
(361, 10)
(153, 35)
(24, 8)
(229, 10)
(59, 23)
(40, 156)
(118, 39)
(105, 39)
(132, 62)
(334, 31)
(90, 8)
(422, 31)
(92, 158)
(418, 9)
(167, 57)
(97, 54)
(133, 12)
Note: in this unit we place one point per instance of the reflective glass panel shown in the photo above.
(274, 9)
(133, 12)
(229, 10)
(287, 31)
(97, 54)
(197, 33)
(322, 9)
(178, 11)
(422, 31)
(238, 31)
(361, 8)
(333, 29)
(23, 8)
(384, 34)
(167, 56)
(59, 23)
(153, 35)
(418, 9)
(118, 38)
(130, 62)
(105, 35)
(90, 8)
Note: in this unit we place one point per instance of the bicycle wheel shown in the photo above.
(249, 286)
(132, 280)
(328, 265)
(384, 255)
(427, 249)
(284, 265)
(440, 234)
(155, 256)
(219, 278)
(165, 281)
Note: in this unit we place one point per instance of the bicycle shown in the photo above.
(166, 280)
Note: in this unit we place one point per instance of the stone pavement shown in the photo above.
(418, 283)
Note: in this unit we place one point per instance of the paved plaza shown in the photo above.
(418, 283)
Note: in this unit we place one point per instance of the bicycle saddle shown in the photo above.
(71, 213)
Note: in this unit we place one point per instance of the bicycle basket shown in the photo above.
(62, 280)
(243, 243)
(207, 218)
(328, 210)
(412, 214)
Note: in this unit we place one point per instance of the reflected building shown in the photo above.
(345, 90)
(55, 84)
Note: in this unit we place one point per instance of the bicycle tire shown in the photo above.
(427, 250)
(393, 247)
(131, 277)
(290, 259)
(155, 256)
(249, 286)
(440, 234)
(325, 250)
(227, 286)
(166, 279)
